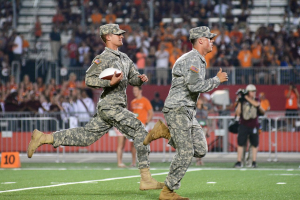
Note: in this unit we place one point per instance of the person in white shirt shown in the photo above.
(82, 51)
(85, 107)
(17, 47)
(162, 65)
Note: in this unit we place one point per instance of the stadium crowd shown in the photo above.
(150, 48)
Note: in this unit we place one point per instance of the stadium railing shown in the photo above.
(279, 134)
(237, 75)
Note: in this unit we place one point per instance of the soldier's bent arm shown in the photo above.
(133, 78)
(92, 74)
(194, 73)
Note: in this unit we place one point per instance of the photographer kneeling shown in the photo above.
(248, 109)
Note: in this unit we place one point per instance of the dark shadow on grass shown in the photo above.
(205, 194)
(100, 194)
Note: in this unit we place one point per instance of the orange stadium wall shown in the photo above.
(274, 93)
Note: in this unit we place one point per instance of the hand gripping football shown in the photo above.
(108, 73)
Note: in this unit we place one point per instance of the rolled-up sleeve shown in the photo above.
(92, 74)
(133, 74)
(194, 73)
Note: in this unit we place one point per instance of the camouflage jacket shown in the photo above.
(112, 95)
(188, 82)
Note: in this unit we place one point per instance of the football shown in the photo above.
(108, 73)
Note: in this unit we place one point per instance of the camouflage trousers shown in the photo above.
(119, 117)
(188, 138)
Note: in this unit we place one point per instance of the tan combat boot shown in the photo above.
(147, 182)
(37, 139)
(160, 130)
(167, 194)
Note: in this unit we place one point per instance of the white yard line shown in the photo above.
(73, 183)
(117, 178)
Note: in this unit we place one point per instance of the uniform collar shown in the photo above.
(113, 51)
(197, 52)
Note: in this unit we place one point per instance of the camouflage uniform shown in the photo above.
(111, 108)
(187, 136)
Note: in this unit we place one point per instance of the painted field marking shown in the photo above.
(8, 182)
(280, 183)
(211, 182)
(73, 183)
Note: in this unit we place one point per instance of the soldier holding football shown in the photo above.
(111, 108)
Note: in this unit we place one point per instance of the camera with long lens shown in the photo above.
(241, 94)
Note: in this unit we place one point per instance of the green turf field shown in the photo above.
(106, 181)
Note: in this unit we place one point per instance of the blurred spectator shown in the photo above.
(84, 107)
(162, 65)
(174, 56)
(96, 17)
(37, 29)
(17, 47)
(26, 84)
(203, 17)
(45, 104)
(157, 103)
(39, 85)
(229, 19)
(83, 51)
(210, 56)
(264, 102)
(64, 56)
(73, 52)
(245, 57)
(269, 51)
(256, 50)
(285, 62)
(291, 105)
(140, 59)
(11, 103)
(245, 4)
(220, 7)
(236, 35)
(110, 18)
(242, 19)
(55, 42)
(58, 19)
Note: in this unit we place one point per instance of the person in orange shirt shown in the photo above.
(142, 107)
(256, 50)
(173, 57)
(235, 33)
(264, 102)
(209, 57)
(291, 105)
(110, 18)
(269, 51)
(140, 59)
(96, 17)
(244, 58)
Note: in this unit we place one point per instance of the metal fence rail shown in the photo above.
(279, 134)
(237, 75)
(16, 132)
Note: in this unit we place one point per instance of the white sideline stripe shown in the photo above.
(152, 169)
(73, 183)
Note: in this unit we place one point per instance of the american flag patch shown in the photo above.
(97, 61)
(194, 69)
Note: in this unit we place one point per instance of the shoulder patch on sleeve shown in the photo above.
(97, 61)
(194, 69)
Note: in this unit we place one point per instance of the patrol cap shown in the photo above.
(110, 29)
(250, 87)
(201, 31)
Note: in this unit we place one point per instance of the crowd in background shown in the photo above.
(160, 46)
(150, 48)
